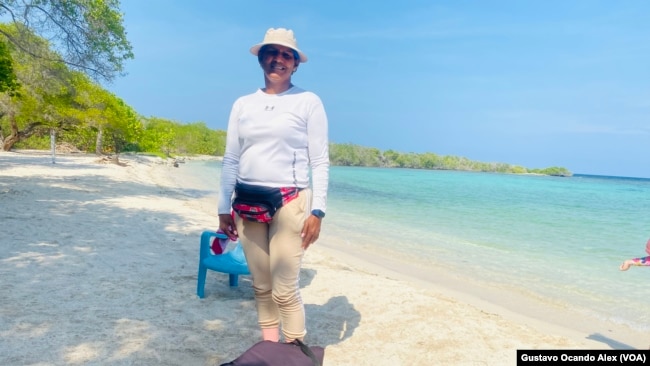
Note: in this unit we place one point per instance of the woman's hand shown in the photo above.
(227, 225)
(310, 231)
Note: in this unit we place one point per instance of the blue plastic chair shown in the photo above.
(232, 262)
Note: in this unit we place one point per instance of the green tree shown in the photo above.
(8, 79)
(430, 161)
(158, 135)
(390, 158)
(88, 33)
(53, 98)
(107, 116)
(197, 138)
(354, 155)
(33, 106)
(555, 170)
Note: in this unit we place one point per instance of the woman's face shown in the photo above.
(278, 62)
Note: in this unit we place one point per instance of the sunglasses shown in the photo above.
(287, 56)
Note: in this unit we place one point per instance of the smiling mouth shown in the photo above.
(278, 67)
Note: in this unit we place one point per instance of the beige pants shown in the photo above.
(274, 254)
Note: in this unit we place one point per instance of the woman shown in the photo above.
(276, 135)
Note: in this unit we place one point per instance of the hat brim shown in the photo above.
(255, 50)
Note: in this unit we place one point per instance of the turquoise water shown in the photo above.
(560, 239)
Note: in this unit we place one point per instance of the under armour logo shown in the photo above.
(269, 107)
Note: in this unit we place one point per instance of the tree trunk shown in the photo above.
(10, 140)
(116, 148)
(53, 144)
(15, 134)
(99, 142)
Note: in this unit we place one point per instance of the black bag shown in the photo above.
(268, 353)
(256, 203)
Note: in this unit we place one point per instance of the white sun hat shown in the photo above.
(282, 37)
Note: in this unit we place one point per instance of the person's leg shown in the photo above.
(254, 237)
(271, 334)
(286, 259)
(643, 261)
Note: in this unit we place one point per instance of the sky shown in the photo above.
(530, 83)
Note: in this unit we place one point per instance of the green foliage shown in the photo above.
(158, 135)
(198, 139)
(83, 138)
(40, 141)
(41, 91)
(173, 138)
(555, 170)
(8, 79)
(88, 33)
(85, 115)
(354, 155)
(36, 104)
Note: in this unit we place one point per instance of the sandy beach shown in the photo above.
(98, 266)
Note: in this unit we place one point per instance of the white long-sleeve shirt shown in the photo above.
(274, 140)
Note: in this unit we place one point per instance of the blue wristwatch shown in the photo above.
(318, 213)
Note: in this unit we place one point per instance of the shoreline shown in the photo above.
(100, 269)
(518, 307)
